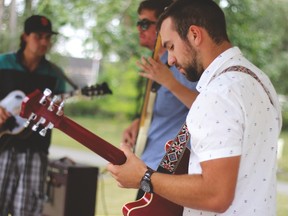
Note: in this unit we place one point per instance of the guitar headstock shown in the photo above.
(42, 109)
(96, 90)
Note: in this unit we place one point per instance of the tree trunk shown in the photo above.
(28, 8)
(1, 13)
(12, 24)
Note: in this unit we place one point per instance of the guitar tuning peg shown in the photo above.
(53, 101)
(60, 109)
(47, 92)
(41, 121)
(31, 117)
(44, 130)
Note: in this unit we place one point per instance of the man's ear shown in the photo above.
(195, 35)
(24, 36)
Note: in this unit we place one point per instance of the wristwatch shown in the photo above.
(145, 183)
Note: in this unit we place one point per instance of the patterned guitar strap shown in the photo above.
(177, 146)
(175, 151)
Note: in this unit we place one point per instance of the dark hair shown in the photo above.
(156, 5)
(22, 43)
(204, 13)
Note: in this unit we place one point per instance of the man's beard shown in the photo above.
(192, 74)
(193, 70)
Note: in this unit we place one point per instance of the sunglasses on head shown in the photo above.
(145, 24)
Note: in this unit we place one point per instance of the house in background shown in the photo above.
(82, 72)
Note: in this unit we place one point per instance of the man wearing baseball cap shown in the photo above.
(37, 23)
(24, 156)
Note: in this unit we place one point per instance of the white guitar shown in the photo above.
(12, 103)
(147, 109)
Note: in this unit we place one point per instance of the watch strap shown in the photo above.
(147, 178)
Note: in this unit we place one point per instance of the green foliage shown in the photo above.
(122, 79)
(285, 118)
(259, 28)
(283, 160)
(115, 27)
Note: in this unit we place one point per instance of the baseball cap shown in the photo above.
(38, 23)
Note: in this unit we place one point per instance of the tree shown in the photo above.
(252, 26)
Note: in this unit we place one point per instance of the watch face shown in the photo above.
(145, 186)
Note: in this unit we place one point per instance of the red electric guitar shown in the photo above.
(43, 110)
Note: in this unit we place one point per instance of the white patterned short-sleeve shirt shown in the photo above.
(233, 116)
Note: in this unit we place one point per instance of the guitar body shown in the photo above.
(152, 205)
(144, 126)
(12, 103)
(155, 205)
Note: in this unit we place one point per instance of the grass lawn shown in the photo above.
(111, 198)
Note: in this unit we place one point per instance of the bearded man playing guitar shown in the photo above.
(173, 98)
(234, 123)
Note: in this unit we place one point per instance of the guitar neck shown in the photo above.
(91, 141)
(71, 93)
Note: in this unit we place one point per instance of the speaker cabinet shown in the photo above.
(71, 189)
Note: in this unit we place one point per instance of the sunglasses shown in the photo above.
(145, 24)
